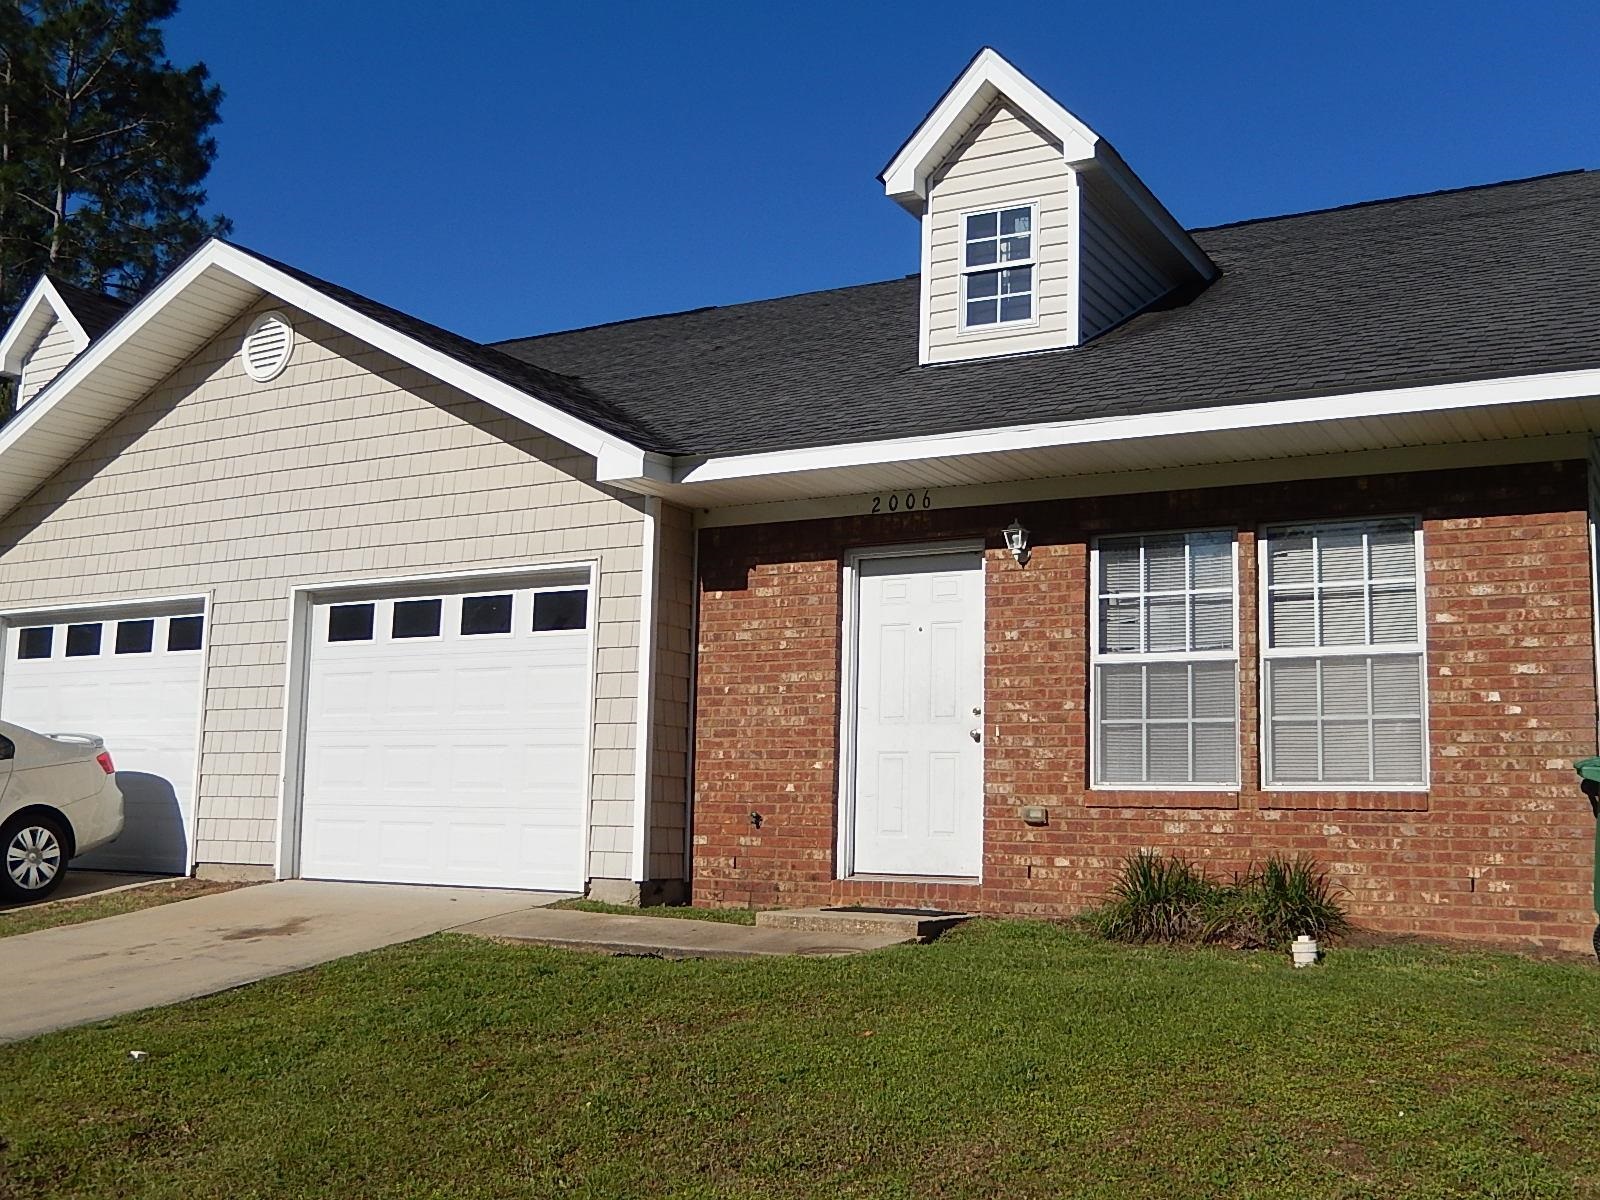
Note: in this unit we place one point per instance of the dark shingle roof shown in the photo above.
(95, 312)
(1481, 282)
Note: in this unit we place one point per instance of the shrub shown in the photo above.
(1154, 899)
(1161, 898)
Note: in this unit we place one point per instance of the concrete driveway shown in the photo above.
(80, 973)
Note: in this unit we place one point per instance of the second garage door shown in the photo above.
(445, 739)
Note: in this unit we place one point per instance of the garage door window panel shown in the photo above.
(36, 642)
(83, 641)
(136, 637)
(557, 611)
(485, 615)
(185, 633)
(416, 619)
(350, 622)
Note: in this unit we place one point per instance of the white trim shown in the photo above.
(622, 459)
(1388, 402)
(1097, 659)
(849, 661)
(1075, 257)
(906, 176)
(18, 343)
(925, 294)
(644, 718)
(303, 599)
(187, 605)
(1265, 653)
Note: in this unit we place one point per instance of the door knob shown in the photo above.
(977, 735)
(977, 711)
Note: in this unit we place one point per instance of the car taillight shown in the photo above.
(104, 759)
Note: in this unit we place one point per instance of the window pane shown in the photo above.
(1344, 619)
(1119, 626)
(1168, 624)
(1393, 550)
(1342, 555)
(1292, 687)
(980, 287)
(1122, 693)
(416, 618)
(1016, 220)
(1397, 687)
(135, 637)
(1290, 560)
(1216, 753)
(1015, 249)
(1291, 620)
(184, 633)
(1168, 754)
(350, 623)
(486, 614)
(1346, 752)
(35, 642)
(1119, 565)
(982, 312)
(1212, 618)
(1211, 560)
(1166, 564)
(1294, 756)
(1016, 308)
(1167, 691)
(560, 610)
(1394, 615)
(1215, 690)
(982, 254)
(1397, 752)
(83, 640)
(1344, 687)
(983, 225)
(1015, 280)
(1122, 754)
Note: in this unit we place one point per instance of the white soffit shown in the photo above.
(1564, 402)
(43, 306)
(191, 307)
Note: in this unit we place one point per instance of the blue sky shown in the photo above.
(508, 168)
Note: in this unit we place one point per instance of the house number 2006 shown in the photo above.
(901, 501)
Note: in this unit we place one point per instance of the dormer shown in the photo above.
(1035, 234)
(55, 324)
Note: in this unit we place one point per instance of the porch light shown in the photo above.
(1017, 542)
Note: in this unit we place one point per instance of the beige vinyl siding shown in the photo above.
(674, 652)
(46, 360)
(1116, 278)
(1003, 160)
(348, 465)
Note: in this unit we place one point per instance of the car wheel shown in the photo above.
(33, 858)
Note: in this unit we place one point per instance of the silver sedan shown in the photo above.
(58, 799)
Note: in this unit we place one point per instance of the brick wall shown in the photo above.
(1499, 849)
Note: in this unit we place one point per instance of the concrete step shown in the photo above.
(910, 924)
(673, 937)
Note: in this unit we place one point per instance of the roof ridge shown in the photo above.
(1333, 208)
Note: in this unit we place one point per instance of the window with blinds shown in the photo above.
(1342, 656)
(1166, 661)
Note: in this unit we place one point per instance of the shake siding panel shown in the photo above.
(348, 464)
(49, 357)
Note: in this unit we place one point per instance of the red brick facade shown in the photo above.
(1500, 848)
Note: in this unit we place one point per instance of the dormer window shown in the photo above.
(997, 278)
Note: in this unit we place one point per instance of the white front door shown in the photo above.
(445, 739)
(135, 681)
(919, 716)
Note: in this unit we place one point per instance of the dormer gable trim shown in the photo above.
(44, 306)
(988, 77)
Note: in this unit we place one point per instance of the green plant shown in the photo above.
(1291, 897)
(1155, 898)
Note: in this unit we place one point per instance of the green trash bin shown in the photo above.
(1589, 774)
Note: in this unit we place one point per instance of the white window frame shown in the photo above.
(1265, 653)
(966, 272)
(1098, 658)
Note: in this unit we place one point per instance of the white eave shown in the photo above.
(1466, 413)
(988, 77)
(192, 306)
(44, 306)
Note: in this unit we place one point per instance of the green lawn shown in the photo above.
(1009, 1059)
(727, 916)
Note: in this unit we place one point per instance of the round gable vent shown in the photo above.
(267, 345)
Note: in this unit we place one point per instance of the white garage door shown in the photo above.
(445, 737)
(134, 679)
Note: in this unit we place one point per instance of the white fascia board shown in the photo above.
(219, 255)
(32, 320)
(905, 179)
(1481, 393)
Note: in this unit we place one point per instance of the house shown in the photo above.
(1097, 534)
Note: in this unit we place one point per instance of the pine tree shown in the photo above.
(104, 147)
